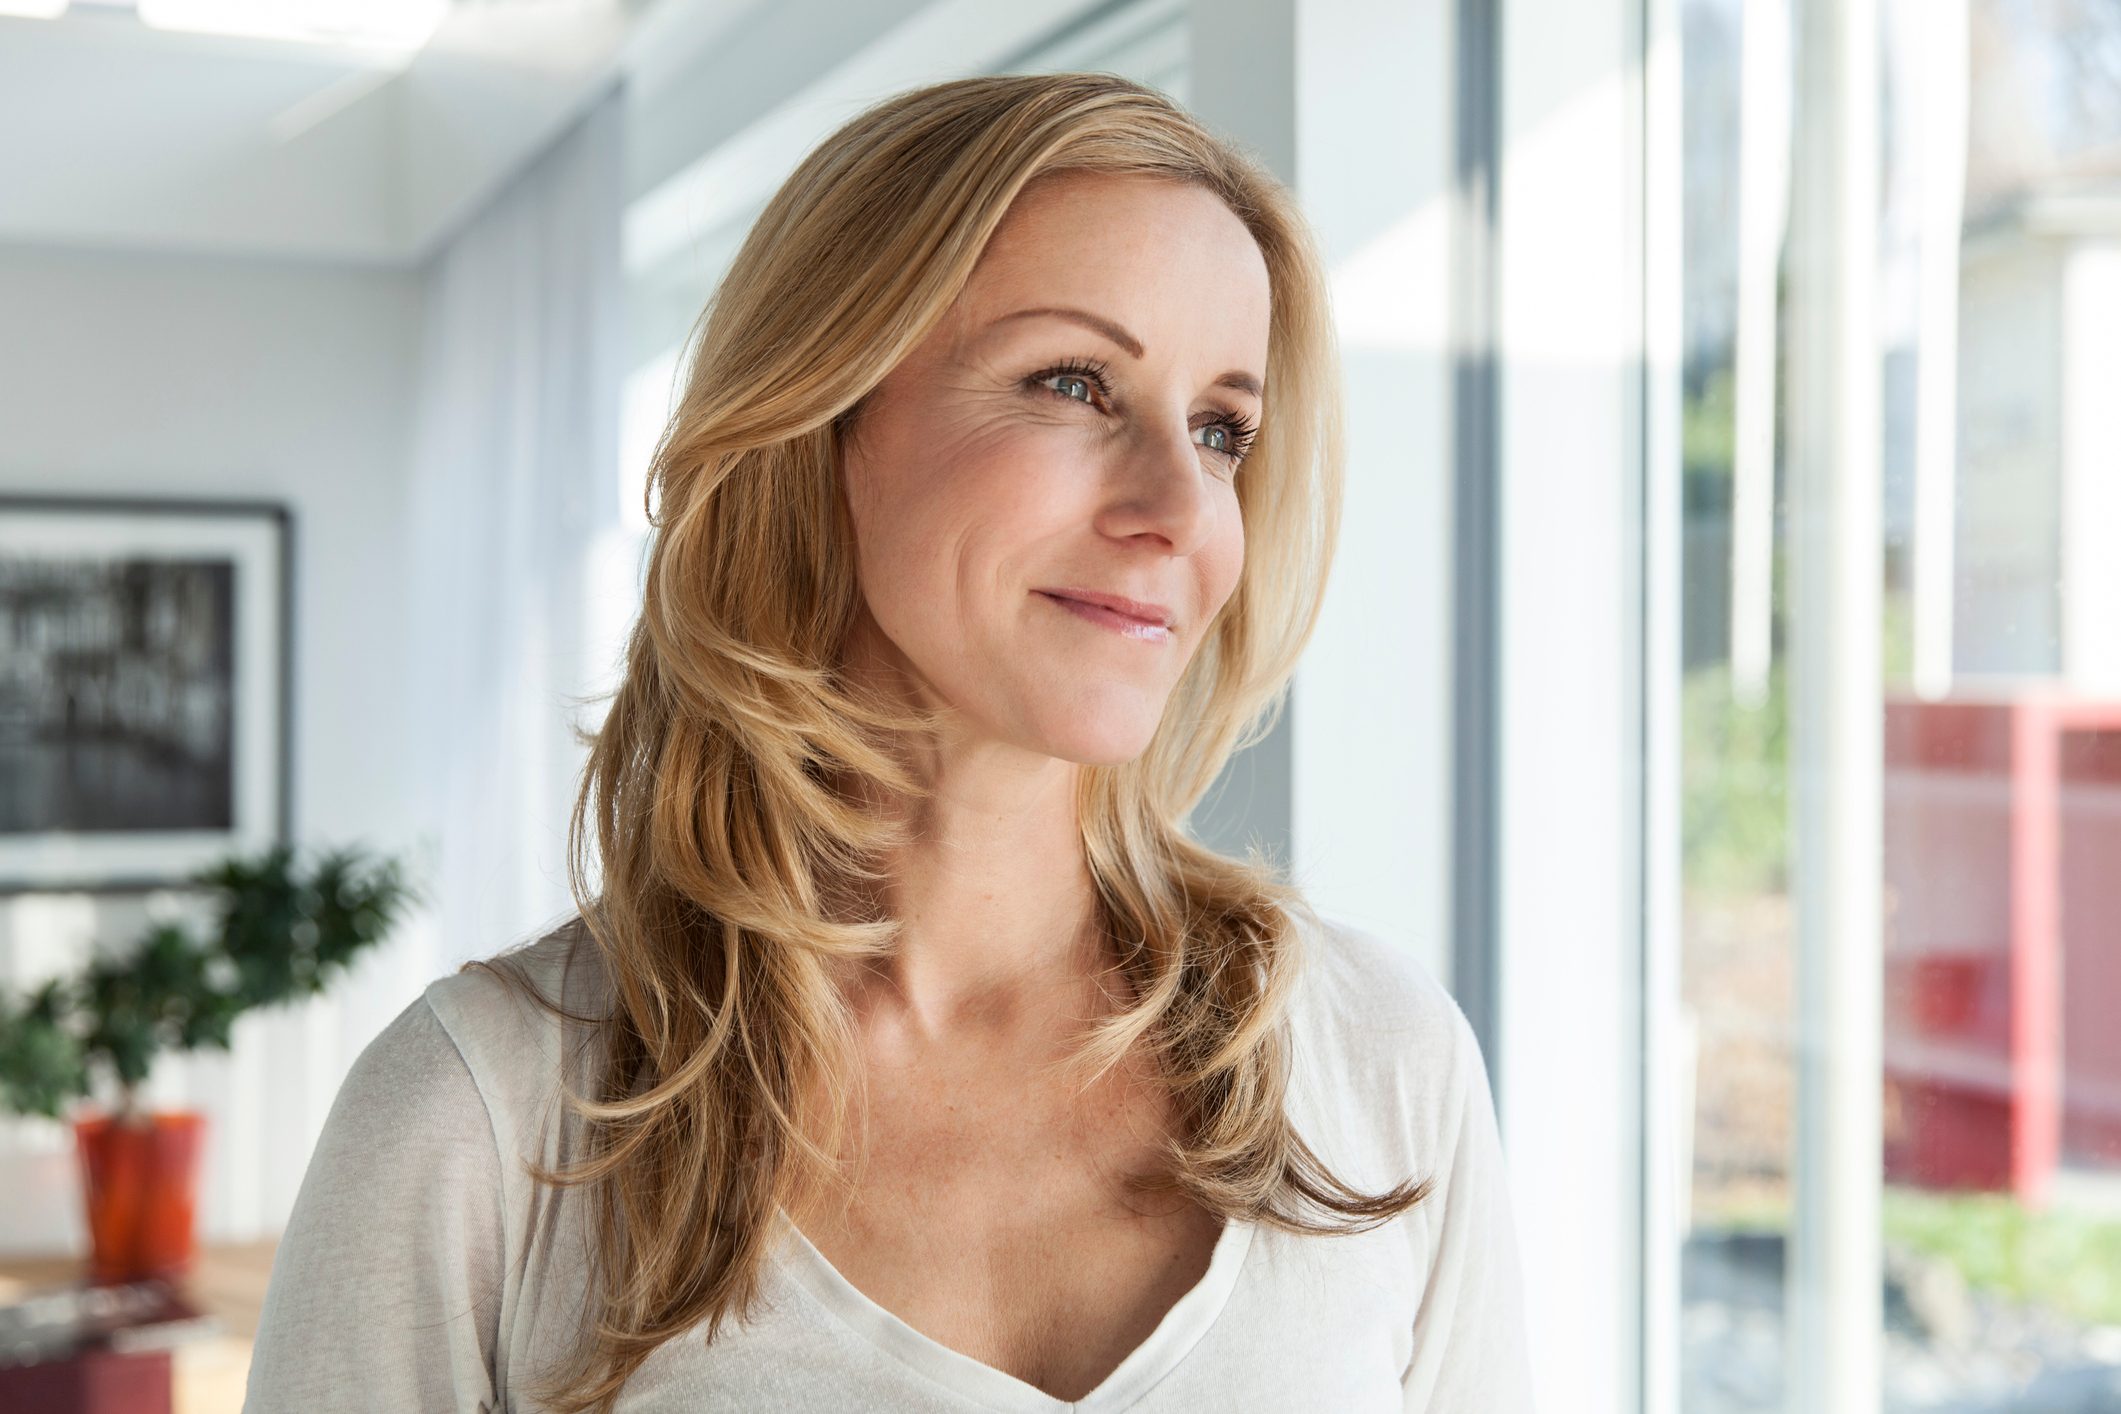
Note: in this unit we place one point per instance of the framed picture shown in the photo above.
(144, 689)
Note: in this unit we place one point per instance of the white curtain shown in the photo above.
(514, 502)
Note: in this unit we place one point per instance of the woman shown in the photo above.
(911, 1055)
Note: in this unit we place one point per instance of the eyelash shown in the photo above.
(1242, 429)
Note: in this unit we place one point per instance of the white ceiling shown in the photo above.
(116, 135)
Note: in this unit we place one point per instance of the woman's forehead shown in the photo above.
(1100, 219)
(1115, 245)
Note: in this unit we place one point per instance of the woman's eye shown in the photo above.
(1071, 385)
(1232, 439)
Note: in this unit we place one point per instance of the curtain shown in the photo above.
(514, 491)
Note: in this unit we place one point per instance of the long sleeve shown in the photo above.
(1470, 1350)
(385, 1289)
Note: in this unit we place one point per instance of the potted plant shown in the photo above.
(282, 934)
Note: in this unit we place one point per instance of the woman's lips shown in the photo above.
(1122, 624)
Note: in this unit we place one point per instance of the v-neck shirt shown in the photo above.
(988, 1388)
(420, 1271)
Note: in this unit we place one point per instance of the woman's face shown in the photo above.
(1073, 426)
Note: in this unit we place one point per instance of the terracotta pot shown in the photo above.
(140, 1185)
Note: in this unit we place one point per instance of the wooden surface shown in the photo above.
(229, 1280)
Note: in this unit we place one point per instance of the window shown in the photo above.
(1900, 714)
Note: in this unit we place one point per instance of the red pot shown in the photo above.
(140, 1182)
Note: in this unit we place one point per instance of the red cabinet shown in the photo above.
(2002, 1040)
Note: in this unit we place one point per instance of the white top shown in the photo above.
(418, 1271)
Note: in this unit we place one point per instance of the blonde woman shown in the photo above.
(909, 1053)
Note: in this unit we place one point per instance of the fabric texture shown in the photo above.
(424, 1269)
(514, 501)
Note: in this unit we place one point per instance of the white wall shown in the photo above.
(1570, 343)
(184, 376)
(2005, 618)
(1309, 85)
(2091, 468)
(1373, 696)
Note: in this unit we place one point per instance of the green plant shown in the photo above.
(1708, 439)
(282, 934)
(1735, 815)
(2063, 1258)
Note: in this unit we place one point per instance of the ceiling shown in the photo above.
(116, 135)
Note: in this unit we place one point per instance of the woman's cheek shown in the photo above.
(1041, 462)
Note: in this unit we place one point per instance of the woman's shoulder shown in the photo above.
(1400, 1090)
(1369, 991)
(498, 1010)
(1379, 1032)
(488, 989)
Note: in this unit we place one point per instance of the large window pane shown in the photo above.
(1992, 722)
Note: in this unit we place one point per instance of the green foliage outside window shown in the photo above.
(1735, 766)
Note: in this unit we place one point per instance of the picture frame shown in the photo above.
(145, 688)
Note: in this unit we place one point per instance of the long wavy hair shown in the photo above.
(735, 858)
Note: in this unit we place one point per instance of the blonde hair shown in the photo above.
(732, 858)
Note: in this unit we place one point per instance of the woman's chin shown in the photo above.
(1111, 744)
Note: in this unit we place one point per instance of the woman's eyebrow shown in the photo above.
(1097, 323)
